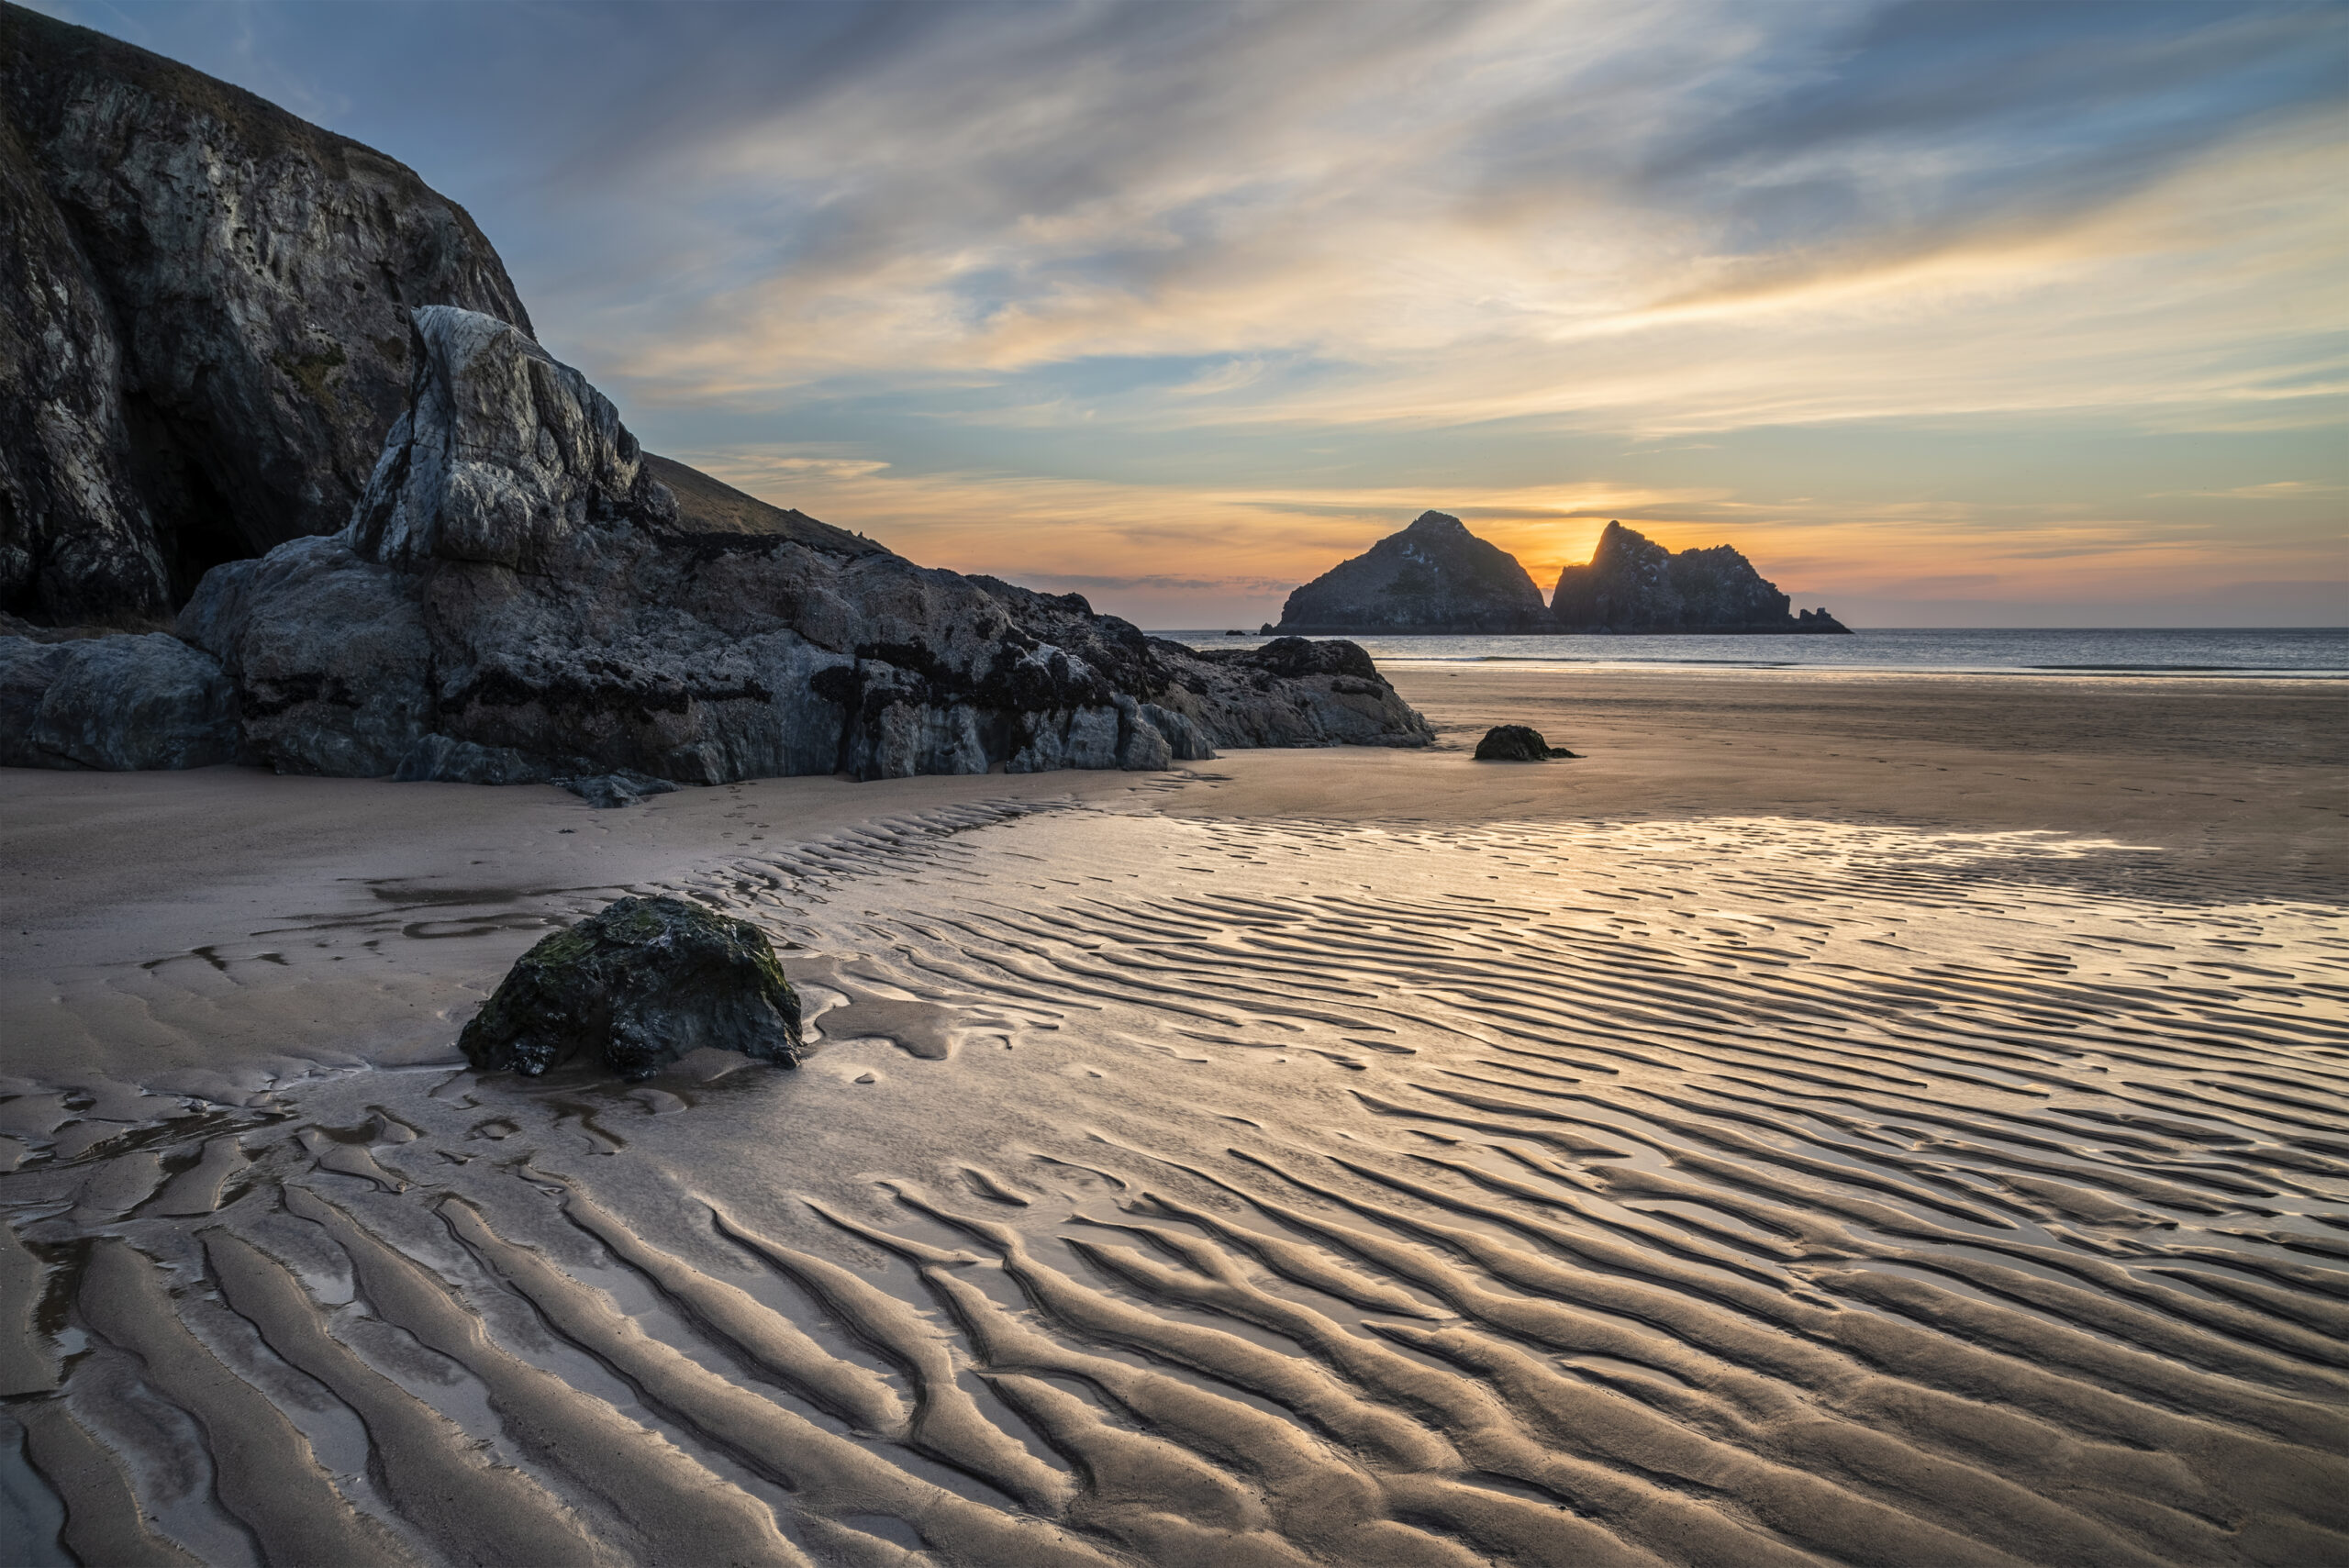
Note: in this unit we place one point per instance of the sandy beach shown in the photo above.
(1839, 1119)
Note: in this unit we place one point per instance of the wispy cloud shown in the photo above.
(1675, 219)
(1100, 292)
(2273, 490)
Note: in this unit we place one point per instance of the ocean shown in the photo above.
(2285, 653)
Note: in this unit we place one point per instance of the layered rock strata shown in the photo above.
(204, 328)
(1433, 577)
(518, 597)
(1631, 584)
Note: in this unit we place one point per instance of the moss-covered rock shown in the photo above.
(640, 984)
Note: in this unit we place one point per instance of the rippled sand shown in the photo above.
(1737, 1189)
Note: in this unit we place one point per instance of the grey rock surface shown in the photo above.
(203, 321)
(1433, 577)
(634, 987)
(608, 790)
(501, 456)
(27, 668)
(115, 704)
(1632, 584)
(518, 597)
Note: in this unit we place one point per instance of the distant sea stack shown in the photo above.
(1435, 576)
(1633, 584)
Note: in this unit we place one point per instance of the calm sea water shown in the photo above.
(2305, 653)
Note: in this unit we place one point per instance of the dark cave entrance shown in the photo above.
(196, 529)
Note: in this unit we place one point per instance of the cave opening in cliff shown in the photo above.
(196, 526)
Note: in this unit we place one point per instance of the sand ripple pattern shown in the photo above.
(1182, 1192)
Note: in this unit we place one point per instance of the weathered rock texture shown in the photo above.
(226, 333)
(204, 326)
(116, 704)
(519, 597)
(1631, 584)
(635, 985)
(1435, 576)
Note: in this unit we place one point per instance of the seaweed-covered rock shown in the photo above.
(1517, 743)
(640, 984)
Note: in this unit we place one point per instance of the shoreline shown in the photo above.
(1475, 1142)
(2246, 653)
(116, 883)
(1741, 666)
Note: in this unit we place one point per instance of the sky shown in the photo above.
(1954, 314)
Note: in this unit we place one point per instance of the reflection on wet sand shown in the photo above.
(1723, 1192)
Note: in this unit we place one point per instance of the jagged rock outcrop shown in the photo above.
(518, 597)
(635, 985)
(204, 327)
(211, 315)
(1631, 584)
(503, 456)
(1434, 576)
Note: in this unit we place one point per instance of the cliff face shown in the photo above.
(1631, 584)
(204, 320)
(262, 374)
(1434, 576)
(519, 596)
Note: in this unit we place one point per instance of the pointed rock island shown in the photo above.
(1436, 578)
(1433, 577)
(1632, 584)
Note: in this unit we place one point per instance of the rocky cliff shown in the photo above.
(226, 335)
(1434, 576)
(204, 330)
(1631, 584)
(518, 597)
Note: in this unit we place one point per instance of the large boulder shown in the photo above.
(203, 320)
(116, 704)
(1632, 584)
(1434, 576)
(502, 453)
(635, 987)
(518, 597)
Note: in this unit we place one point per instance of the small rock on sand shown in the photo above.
(1517, 743)
(640, 983)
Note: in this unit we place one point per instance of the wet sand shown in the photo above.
(1839, 1119)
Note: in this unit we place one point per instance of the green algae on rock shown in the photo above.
(641, 982)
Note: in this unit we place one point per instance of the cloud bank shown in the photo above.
(2043, 298)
